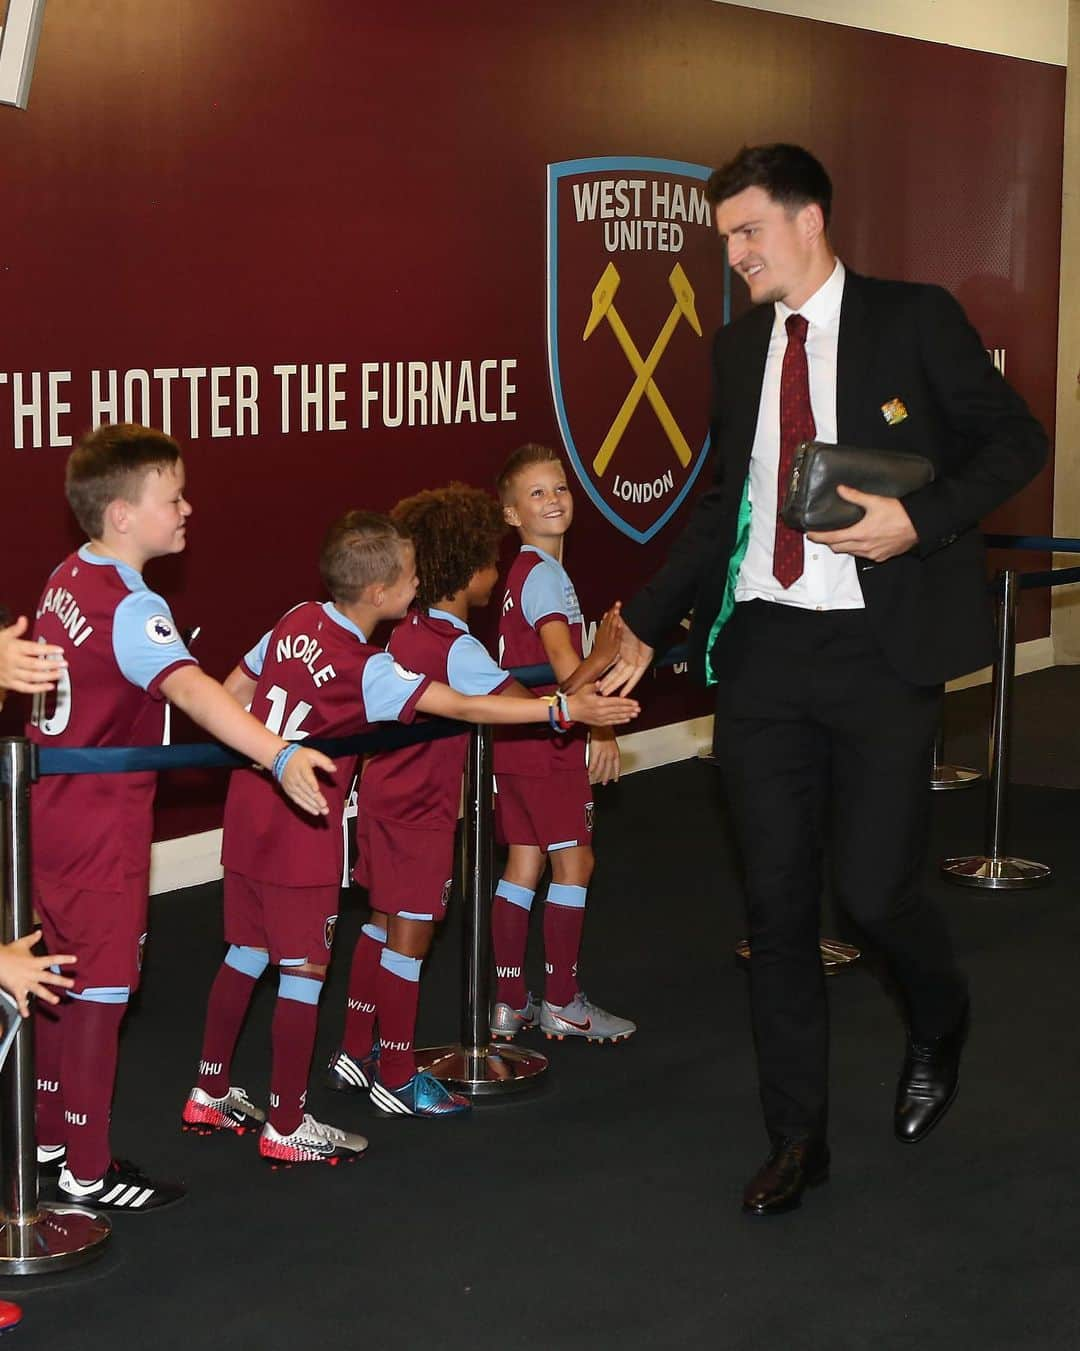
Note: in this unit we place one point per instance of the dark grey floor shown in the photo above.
(603, 1212)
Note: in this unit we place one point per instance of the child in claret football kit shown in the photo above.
(316, 674)
(123, 658)
(543, 803)
(408, 799)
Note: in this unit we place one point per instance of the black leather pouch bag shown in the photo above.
(812, 502)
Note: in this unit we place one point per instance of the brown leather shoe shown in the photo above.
(779, 1183)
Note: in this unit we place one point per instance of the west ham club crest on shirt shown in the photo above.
(637, 283)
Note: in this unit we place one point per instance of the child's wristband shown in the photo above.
(282, 759)
(559, 718)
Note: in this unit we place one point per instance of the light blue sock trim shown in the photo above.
(572, 897)
(248, 961)
(103, 994)
(406, 968)
(376, 935)
(302, 989)
(519, 896)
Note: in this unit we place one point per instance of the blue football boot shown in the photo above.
(423, 1095)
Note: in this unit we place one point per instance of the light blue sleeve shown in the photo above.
(254, 659)
(543, 594)
(470, 668)
(387, 687)
(145, 640)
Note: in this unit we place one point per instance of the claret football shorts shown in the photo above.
(289, 922)
(553, 812)
(406, 872)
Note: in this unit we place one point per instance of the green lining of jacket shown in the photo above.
(742, 539)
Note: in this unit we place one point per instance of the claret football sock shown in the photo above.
(564, 917)
(509, 938)
(88, 1073)
(360, 1009)
(226, 1009)
(292, 1035)
(48, 1050)
(397, 995)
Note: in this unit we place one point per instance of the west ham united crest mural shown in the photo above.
(636, 286)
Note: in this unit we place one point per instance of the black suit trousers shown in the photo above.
(826, 755)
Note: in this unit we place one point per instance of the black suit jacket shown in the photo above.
(928, 608)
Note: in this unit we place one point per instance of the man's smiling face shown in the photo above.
(774, 248)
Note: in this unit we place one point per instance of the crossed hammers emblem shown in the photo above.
(603, 307)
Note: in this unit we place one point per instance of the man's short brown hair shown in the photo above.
(788, 173)
(360, 550)
(113, 462)
(522, 458)
(456, 531)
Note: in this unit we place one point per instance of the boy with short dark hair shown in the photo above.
(124, 658)
(315, 673)
(544, 808)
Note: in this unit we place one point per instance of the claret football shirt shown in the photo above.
(120, 642)
(316, 675)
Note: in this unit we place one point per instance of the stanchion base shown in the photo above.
(995, 874)
(498, 1069)
(59, 1237)
(835, 956)
(946, 778)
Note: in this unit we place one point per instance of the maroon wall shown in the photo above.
(202, 185)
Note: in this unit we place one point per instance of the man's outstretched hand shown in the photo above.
(630, 665)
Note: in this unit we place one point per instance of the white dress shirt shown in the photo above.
(829, 581)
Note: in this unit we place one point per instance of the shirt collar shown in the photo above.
(129, 574)
(823, 306)
(332, 612)
(450, 619)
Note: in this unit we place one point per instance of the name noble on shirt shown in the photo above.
(306, 650)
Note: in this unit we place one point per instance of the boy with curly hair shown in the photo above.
(408, 800)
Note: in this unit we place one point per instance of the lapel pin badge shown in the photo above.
(894, 411)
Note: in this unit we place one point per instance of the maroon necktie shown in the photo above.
(796, 424)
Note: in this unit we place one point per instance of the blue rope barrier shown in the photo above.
(210, 755)
(1047, 544)
(1028, 581)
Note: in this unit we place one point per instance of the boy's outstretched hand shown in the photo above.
(599, 710)
(22, 974)
(27, 666)
(300, 782)
(633, 661)
(605, 646)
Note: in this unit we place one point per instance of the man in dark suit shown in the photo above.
(829, 652)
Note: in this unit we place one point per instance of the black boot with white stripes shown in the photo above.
(124, 1187)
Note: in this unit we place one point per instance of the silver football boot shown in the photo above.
(581, 1018)
(507, 1022)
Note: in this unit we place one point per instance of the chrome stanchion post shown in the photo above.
(35, 1237)
(476, 1066)
(994, 870)
(944, 777)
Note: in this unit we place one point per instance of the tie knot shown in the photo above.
(796, 326)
